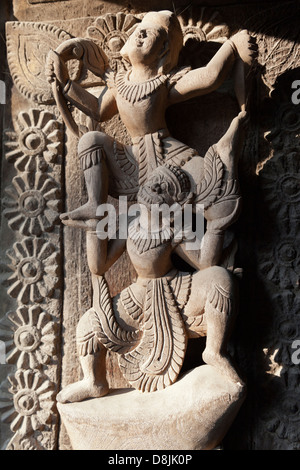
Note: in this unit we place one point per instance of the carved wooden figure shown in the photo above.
(113, 80)
(164, 307)
(141, 96)
(149, 323)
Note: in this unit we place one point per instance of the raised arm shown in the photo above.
(64, 89)
(100, 109)
(102, 254)
(207, 79)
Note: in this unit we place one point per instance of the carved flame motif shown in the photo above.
(27, 47)
(156, 362)
(200, 24)
(149, 358)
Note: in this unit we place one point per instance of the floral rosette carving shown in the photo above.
(279, 260)
(110, 32)
(285, 132)
(35, 266)
(285, 329)
(280, 183)
(36, 142)
(284, 420)
(29, 335)
(31, 407)
(32, 203)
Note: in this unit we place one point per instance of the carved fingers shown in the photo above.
(246, 46)
(56, 69)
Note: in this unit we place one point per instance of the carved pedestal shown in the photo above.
(130, 420)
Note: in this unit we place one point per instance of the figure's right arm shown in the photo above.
(103, 253)
(99, 109)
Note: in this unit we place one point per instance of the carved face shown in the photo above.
(158, 189)
(145, 45)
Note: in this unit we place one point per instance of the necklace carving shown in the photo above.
(135, 91)
(145, 240)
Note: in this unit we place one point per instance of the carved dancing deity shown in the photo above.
(149, 323)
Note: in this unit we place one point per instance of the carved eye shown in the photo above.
(164, 186)
(142, 33)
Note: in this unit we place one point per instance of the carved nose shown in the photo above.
(141, 34)
(156, 188)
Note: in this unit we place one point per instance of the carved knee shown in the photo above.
(84, 326)
(222, 277)
(221, 293)
(93, 147)
(87, 342)
(91, 140)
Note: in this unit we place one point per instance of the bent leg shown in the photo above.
(93, 148)
(92, 357)
(214, 292)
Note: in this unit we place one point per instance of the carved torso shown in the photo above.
(142, 105)
(145, 116)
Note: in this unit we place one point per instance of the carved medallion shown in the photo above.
(36, 142)
(34, 263)
(111, 32)
(32, 202)
(33, 333)
(31, 408)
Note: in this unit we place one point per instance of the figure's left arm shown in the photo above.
(208, 255)
(207, 79)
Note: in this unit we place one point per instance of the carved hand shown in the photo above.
(56, 68)
(220, 216)
(246, 46)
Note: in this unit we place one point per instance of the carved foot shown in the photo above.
(90, 225)
(85, 212)
(82, 390)
(223, 364)
(230, 142)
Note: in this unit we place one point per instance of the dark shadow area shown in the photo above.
(267, 233)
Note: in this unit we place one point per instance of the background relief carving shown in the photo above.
(37, 179)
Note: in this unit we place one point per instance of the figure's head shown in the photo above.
(157, 38)
(166, 185)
